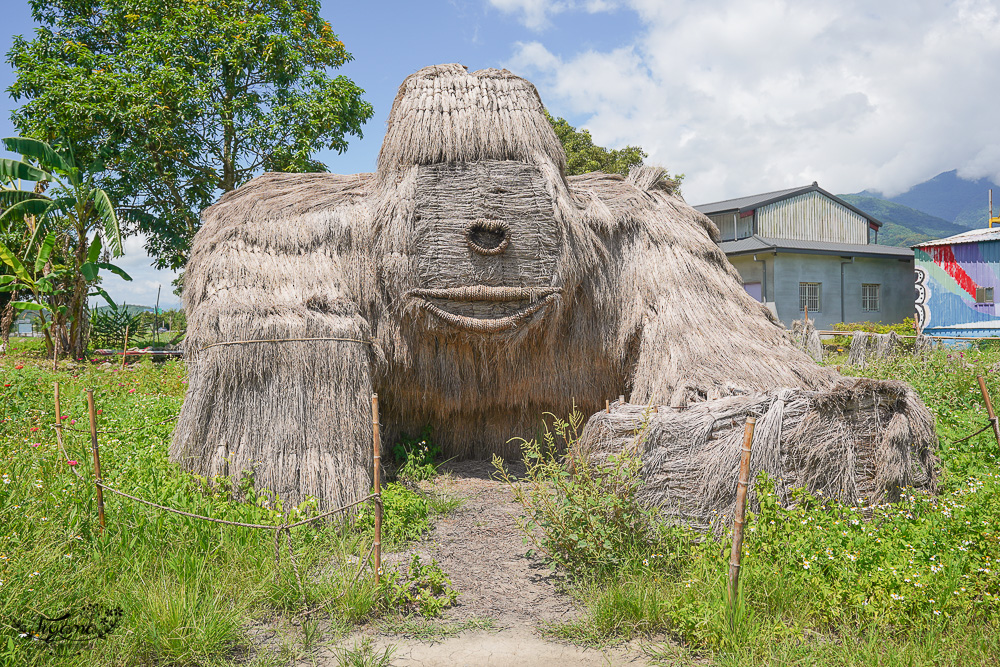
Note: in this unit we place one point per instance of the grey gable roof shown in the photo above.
(754, 244)
(751, 202)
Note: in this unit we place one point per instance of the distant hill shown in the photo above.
(952, 198)
(903, 226)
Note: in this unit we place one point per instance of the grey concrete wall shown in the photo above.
(785, 271)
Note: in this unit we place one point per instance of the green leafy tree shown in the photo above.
(76, 219)
(583, 156)
(190, 98)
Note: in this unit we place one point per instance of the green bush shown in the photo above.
(404, 516)
(109, 326)
(425, 589)
(588, 518)
(416, 458)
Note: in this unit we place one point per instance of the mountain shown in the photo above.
(952, 198)
(902, 225)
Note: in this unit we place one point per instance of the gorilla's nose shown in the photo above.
(488, 237)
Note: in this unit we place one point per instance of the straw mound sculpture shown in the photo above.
(806, 338)
(866, 346)
(861, 442)
(485, 288)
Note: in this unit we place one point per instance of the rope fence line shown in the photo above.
(989, 424)
(284, 340)
(285, 528)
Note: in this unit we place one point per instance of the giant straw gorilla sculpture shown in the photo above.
(469, 282)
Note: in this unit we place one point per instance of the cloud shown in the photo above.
(534, 14)
(748, 96)
(141, 290)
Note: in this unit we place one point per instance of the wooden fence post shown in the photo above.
(97, 456)
(989, 408)
(58, 418)
(125, 348)
(377, 444)
(741, 505)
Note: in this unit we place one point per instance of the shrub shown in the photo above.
(404, 517)
(425, 589)
(416, 458)
(584, 517)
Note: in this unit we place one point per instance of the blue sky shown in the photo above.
(742, 96)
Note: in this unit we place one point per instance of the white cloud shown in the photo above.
(141, 290)
(753, 95)
(535, 14)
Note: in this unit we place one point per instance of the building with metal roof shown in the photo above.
(804, 248)
(956, 280)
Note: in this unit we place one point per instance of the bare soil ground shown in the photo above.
(506, 598)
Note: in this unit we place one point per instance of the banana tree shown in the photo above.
(77, 213)
(47, 281)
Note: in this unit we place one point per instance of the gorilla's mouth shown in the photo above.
(485, 309)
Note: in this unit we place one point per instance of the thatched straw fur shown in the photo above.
(860, 442)
(493, 287)
(806, 338)
(866, 346)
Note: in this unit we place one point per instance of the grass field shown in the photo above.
(911, 583)
(915, 583)
(176, 590)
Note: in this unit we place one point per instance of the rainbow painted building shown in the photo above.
(957, 280)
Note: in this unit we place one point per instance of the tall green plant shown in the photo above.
(74, 212)
(585, 517)
(191, 98)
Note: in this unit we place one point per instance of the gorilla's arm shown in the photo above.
(297, 412)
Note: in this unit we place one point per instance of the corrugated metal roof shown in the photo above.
(746, 203)
(753, 202)
(971, 236)
(760, 244)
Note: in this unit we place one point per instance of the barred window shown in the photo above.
(870, 297)
(809, 297)
(984, 295)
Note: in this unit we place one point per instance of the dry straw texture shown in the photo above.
(806, 338)
(861, 442)
(866, 346)
(603, 286)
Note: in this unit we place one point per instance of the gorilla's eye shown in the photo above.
(488, 237)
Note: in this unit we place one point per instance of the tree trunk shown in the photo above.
(76, 334)
(6, 320)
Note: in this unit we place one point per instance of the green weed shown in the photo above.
(186, 588)
(424, 589)
(822, 582)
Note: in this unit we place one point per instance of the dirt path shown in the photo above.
(505, 597)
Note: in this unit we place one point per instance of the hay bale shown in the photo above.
(806, 338)
(860, 442)
(491, 287)
(866, 346)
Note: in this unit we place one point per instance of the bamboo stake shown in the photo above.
(607, 406)
(989, 408)
(125, 349)
(59, 435)
(741, 506)
(377, 444)
(97, 456)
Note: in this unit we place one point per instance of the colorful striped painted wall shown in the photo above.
(947, 277)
